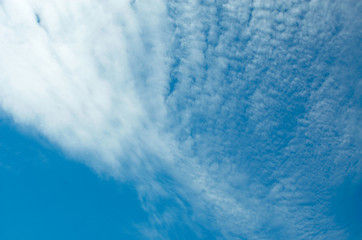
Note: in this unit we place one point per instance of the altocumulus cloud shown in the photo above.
(245, 112)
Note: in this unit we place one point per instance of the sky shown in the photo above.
(194, 119)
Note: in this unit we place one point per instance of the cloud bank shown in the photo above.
(245, 113)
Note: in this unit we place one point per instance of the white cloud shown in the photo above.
(71, 74)
(250, 94)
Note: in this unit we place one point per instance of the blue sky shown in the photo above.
(48, 195)
(180, 119)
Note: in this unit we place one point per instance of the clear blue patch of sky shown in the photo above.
(346, 208)
(45, 195)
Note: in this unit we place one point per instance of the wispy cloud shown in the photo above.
(245, 113)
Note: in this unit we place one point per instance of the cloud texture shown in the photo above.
(245, 113)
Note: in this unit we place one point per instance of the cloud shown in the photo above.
(232, 109)
(70, 75)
